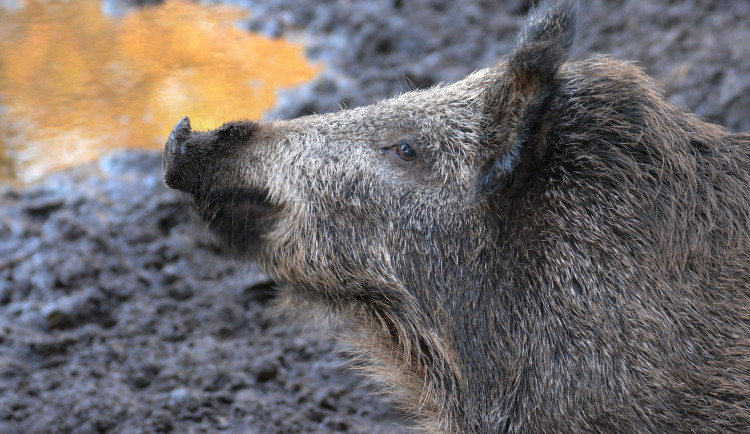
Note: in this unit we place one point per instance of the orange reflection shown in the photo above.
(75, 84)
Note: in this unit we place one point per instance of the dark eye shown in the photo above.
(405, 152)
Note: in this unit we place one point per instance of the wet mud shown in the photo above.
(117, 314)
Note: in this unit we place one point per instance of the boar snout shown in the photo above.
(179, 153)
(196, 162)
(190, 156)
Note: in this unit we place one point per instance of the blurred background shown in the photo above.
(119, 315)
(80, 78)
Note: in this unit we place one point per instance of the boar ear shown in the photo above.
(519, 92)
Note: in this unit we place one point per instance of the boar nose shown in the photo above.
(178, 137)
(189, 155)
(179, 153)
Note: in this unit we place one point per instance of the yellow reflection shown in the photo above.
(75, 84)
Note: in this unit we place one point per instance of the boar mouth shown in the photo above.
(239, 218)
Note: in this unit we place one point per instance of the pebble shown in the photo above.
(265, 368)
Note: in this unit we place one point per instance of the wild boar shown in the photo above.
(544, 246)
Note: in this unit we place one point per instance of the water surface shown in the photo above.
(75, 83)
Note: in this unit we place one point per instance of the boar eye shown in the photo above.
(405, 151)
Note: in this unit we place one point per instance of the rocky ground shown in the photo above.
(117, 314)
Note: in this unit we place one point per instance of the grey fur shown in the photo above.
(598, 280)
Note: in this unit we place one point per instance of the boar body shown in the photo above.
(544, 246)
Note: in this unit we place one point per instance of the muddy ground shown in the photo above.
(117, 314)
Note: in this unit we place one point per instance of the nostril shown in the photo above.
(178, 137)
(175, 158)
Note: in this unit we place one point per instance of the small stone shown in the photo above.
(56, 316)
(183, 398)
(44, 206)
(265, 368)
(5, 291)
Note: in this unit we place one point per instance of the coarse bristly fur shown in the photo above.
(544, 246)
